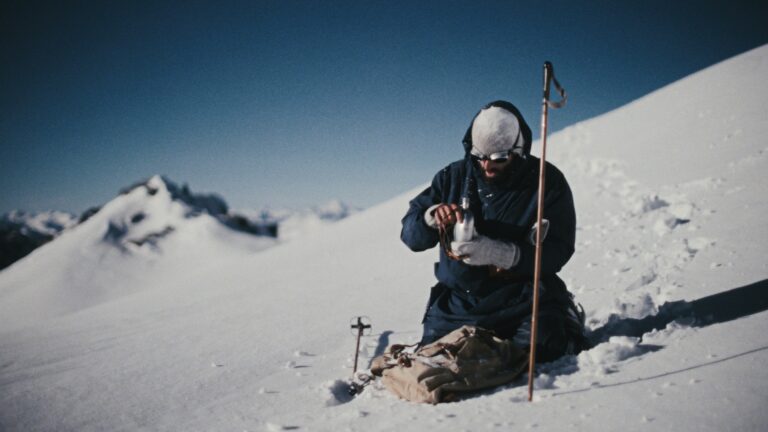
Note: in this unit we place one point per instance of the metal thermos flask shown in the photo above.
(465, 230)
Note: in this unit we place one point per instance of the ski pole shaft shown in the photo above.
(539, 216)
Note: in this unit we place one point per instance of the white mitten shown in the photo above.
(429, 216)
(482, 251)
(544, 230)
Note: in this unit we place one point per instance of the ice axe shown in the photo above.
(361, 324)
(549, 77)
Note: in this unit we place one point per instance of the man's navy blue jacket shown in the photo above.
(471, 294)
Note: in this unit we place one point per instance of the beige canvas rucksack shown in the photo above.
(465, 360)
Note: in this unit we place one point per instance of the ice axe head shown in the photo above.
(360, 326)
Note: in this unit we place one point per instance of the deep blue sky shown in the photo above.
(288, 103)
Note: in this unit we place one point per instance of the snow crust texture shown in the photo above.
(197, 328)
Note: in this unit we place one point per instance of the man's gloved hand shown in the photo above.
(485, 251)
(544, 231)
(443, 214)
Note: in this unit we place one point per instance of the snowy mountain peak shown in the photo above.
(164, 188)
(159, 181)
(147, 212)
(333, 210)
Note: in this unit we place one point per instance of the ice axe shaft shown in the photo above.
(360, 326)
(549, 77)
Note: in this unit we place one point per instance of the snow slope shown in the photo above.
(670, 266)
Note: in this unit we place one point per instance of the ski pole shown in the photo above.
(360, 326)
(549, 76)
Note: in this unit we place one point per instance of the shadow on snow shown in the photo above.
(714, 309)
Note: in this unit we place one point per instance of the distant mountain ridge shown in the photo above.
(21, 233)
(197, 202)
(292, 224)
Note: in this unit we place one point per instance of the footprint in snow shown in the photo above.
(292, 365)
(645, 204)
(339, 393)
(273, 427)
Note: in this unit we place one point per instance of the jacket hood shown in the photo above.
(525, 130)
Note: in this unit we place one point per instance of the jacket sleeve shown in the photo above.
(559, 245)
(416, 234)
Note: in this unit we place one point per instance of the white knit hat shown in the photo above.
(496, 130)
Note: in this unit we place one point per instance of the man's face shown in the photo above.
(495, 171)
(495, 167)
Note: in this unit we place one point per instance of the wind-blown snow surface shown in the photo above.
(670, 193)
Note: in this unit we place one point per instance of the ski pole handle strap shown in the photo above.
(560, 90)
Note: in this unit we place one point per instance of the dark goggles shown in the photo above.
(499, 157)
